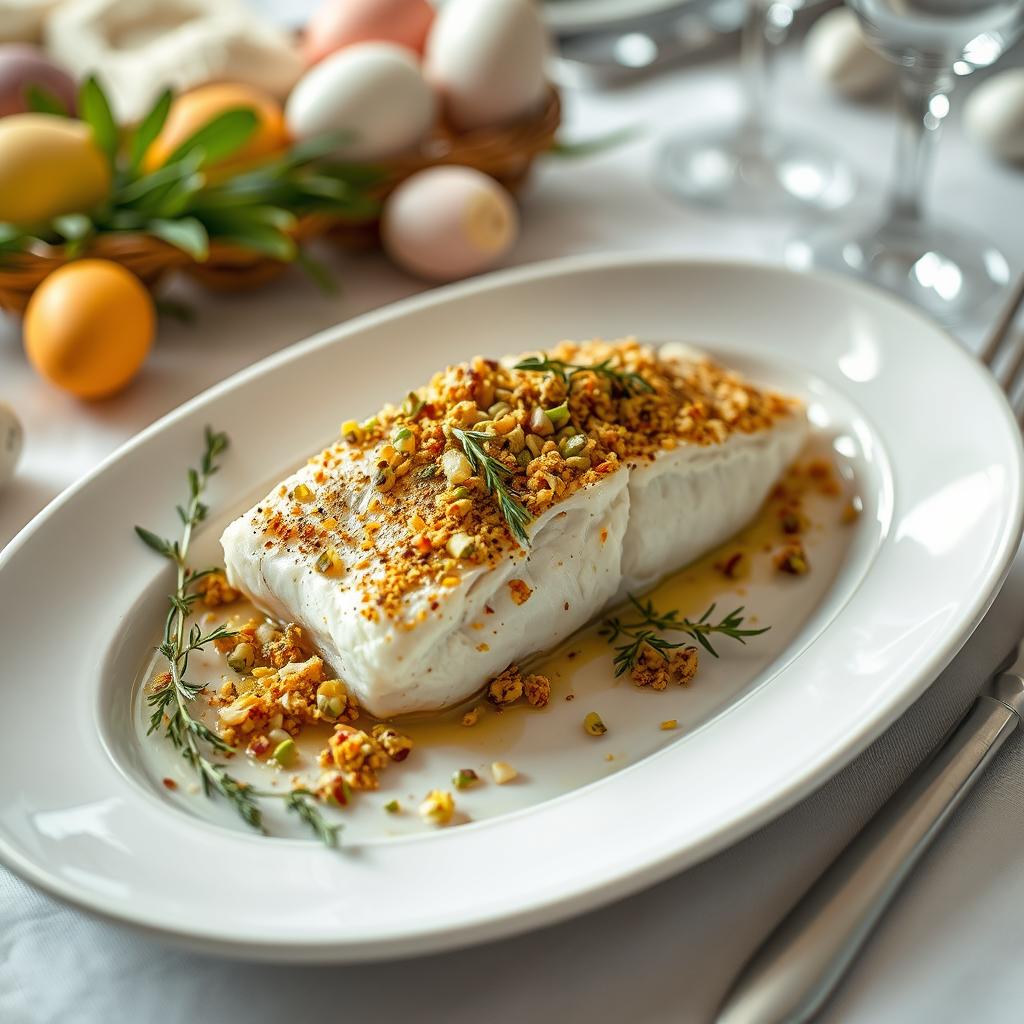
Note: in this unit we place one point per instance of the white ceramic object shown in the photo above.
(12, 439)
(21, 21)
(373, 92)
(486, 59)
(444, 223)
(942, 513)
(994, 114)
(139, 47)
(838, 56)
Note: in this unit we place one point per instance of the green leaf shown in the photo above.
(263, 239)
(158, 544)
(150, 128)
(317, 272)
(73, 226)
(219, 137)
(598, 144)
(95, 111)
(141, 190)
(186, 233)
(175, 310)
(41, 100)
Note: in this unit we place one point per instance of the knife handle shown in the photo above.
(789, 978)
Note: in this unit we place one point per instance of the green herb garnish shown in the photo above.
(182, 204)
(170, 703)
(625, 383)
(495, 474)
(646, 631)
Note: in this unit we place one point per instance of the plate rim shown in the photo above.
(600, 890)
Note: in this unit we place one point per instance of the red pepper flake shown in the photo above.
(169, 784)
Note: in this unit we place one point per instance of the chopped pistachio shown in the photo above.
(385, 477)
(669, 723)
(393, 807)
(329, 562)
(540, 423)
(438, 807)
(573, 445)
(464, 778)
(242, 658)
(427, 471)
(284, 753)
(352, 432)
(503, 772)
(331, 699)
(412, 404)
(460, 545)
(558, 416)
(456, 466)
(593, 726)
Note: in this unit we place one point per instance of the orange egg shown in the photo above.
(89, 327)
(192, 110)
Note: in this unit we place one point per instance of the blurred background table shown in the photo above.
(949, 951)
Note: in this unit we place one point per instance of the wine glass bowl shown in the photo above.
(949, 270)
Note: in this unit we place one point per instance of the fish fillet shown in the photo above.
(416, 600)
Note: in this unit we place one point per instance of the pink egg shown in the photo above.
(23, 66)
(338, 23)
(448, 222)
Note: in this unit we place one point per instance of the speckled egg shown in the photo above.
(22, 67)
(373, 93)
(88, 327)
(486, 58)
(994, 114)
(192, 110)
(339, 23)
(49, 165)
(12, 437)
(444, 223)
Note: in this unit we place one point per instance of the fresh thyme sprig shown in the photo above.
(647, 629)
(626, 383)
(495, 476)
(169, 703)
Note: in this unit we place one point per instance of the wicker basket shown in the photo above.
(505, 153)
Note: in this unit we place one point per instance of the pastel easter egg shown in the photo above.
(49, 165)
(445, 223)
(24, 67)
(339, 23)
(89, 327)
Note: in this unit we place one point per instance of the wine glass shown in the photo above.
(755, 167)
(949, 270)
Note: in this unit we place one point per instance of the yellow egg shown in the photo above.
(49, 165)
(194, 109)
(89, 327)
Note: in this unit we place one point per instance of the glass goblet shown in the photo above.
(949, 270)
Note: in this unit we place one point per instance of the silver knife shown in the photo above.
(793, 973)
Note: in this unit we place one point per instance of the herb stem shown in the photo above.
(170, 703)
(646, 632)
(627, 383)
(495, 474)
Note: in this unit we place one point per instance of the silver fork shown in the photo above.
(793, 973)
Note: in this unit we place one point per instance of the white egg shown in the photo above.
(994, 114)
(838, 55)
(486, 58)
(372, 91)
(11, 439)
(448, 222)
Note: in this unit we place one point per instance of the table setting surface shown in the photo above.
(947, 950)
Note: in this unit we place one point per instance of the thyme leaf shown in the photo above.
(626, 384)
(170, 702)
(495, 474)
(646, 631)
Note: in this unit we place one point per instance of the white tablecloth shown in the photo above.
(949, 951)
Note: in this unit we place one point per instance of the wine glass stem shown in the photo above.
(759, 40)
(924, 103)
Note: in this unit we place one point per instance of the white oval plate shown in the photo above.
(938, 457)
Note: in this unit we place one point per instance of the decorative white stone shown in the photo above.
(838, 56)
(994, 115)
